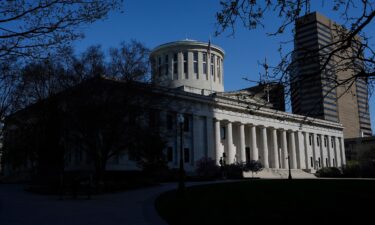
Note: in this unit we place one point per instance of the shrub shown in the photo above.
(351, 169)
(207, 168)
(253, 166)
(234, 171)
(329, 172)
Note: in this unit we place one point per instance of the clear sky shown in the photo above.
(157, 22)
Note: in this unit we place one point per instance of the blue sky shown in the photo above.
(157, 22)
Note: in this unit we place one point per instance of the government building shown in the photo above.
(235, 126)
(232, 124)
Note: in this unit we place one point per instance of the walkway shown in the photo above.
(18, 207)
(136, 207)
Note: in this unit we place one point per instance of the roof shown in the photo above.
(187, 42)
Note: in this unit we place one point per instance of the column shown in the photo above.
(284, 150)
(242, 153)
(329, 146)
(265, 147)
(321, 143)
(275, 149)
(315, 151)
(218, 151)
(210, 138)
(230, 155)
(337, 152)
(342, 148)
(253, 138)
(292, 150)
(306, 145)
(300, 151)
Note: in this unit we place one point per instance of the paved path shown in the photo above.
(18, 207)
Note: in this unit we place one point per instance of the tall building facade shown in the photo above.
(314, 91)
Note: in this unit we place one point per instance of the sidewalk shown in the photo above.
(18, 207)
(136, 207)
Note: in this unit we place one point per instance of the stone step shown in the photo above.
(280, 174)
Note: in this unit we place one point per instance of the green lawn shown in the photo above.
(272, 202)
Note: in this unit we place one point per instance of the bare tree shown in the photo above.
(34, 28)
(351, 49)
(130, 62)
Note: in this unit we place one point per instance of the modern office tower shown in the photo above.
(313, 89)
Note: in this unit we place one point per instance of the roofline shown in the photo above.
(187, 42)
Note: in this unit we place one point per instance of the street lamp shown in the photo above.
(181, 180)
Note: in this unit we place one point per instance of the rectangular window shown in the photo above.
(186, 155)
(317, 140)
(327, 162)
(218, 68)
(186, 123)
(310, 140)
(332, 142)
(195, 60)
(212, 67)
(166, 65)
(175, 66)
(153, 119)
(334, 163)
(159, 66)
(169, 122)
(170, 154)
(319, 162)
(325, 141)
(222, 133)
(204, 65)
(311, 162)
(196, 70)
(185, 60)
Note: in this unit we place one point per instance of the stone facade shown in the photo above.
(215, 122)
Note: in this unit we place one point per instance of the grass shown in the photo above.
(272, 202)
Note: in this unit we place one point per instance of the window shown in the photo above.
(186, 123)
(332, 142)
(311, 162)
(318, 162)
(204, 58)
(169, 121)
(212, 67)
(153, 118)
(159, 66)
(185, 60)
(78, 156)
(222, 133)
(334, 163)
(327, 162)
(175, 66)
(318, 140)
(186, 155)
(195, 60)
(310, 139)
(218, 68)
(325, 141)
(169, 154)
(166, 65)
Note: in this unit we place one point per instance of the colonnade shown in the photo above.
(273, 146)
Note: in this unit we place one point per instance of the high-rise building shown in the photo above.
(314, 90)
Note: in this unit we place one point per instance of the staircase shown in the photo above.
(280, 174)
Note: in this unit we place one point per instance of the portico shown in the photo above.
(272, 145)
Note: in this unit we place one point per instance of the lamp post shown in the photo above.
(181, 180)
